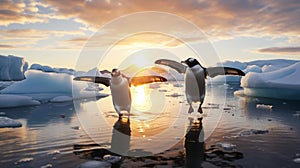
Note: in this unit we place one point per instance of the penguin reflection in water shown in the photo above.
(120, 141)
(120, 87)
(194, 144)
(195, 75)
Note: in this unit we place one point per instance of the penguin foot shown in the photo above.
(191, 110)
(200, 109)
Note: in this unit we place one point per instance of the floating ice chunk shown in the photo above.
(226, 146)
(54, 152)
(59, 99)
(95, 164)
(297, 160)
(253, 131)
(264, 106)
(47, 166)
(296, 115)
(24, 160)
(6, 122)
(8, 101)
(112, 159)
(174, 95)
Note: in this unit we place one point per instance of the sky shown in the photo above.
(57, 33)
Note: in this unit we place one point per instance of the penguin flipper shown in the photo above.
(96, 79)
(215, 71)
(140, 80)
(173, 64)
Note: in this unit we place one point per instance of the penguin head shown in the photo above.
(115, 73)
(191, 62)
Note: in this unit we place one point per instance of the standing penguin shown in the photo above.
(195, 75)
(120, 87)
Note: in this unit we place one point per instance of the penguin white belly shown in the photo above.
(121, 95)
(194, 85)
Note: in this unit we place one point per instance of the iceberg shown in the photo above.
(44, 86)
(258, 66)
(12, 68)
(281, 83)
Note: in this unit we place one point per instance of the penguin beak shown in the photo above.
(183, 62)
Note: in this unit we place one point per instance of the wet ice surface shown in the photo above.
(245, 135)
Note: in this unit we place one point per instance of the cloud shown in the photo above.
(19, 12)
(280, 50)
(78, 39)
(219, 19)
(28, 38)
(4, 46)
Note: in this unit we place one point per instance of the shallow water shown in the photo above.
(68, 134)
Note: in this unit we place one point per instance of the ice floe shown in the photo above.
(6, 122)
(47, 166)
(264, 106)
(11, 100)
(226, 146)
(24, 160)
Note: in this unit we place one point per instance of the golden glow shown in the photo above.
(141, 98)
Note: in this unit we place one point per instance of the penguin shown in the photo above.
(195, 75)
(120, 87)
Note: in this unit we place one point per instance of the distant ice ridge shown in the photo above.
(42, 86)
(46, 68)
(12, 68)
